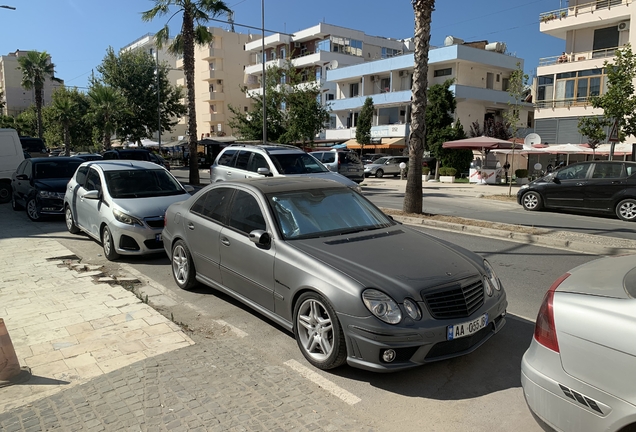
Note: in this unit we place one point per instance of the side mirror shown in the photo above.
(264, 172)
(189, 189)
(22, 177)
(556, 180)
(94, 194)
(260, 237)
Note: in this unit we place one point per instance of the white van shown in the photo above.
(11, 155)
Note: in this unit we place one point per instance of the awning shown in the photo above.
(387, 143)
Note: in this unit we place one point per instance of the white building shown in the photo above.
(481, 72)
(592, 31)
(17, 99)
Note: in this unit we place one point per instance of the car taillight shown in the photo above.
(544, 328)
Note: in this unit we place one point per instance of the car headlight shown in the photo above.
(491, 279)
(382, 306)
(48, 194)
(126, 219)
(412, 309)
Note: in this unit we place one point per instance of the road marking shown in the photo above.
(332, 388)
(240, 333)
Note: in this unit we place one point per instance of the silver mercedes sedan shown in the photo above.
(322, 261)
(579, 373)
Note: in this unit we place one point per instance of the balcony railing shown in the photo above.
(580, 56)
(577, 9)
(564, 103)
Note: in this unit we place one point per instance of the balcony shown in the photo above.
(578, 56)
(583, 15)
(208, 75)
(214, 53)
(214, 118)
(257, 69)
(213, 96)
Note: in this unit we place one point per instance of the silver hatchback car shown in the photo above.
(122, 204)
(303, 252)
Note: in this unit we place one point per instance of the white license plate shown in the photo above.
(158, 237)
(457, 331)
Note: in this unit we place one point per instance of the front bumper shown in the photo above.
(416, 343)
(565, 403)
(135, 239)
(50, 206)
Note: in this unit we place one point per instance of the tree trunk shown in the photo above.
(38, 108)
(423, 10)
(188, 68)
(67, 147)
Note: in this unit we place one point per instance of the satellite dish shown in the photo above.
(333, 64)
(530, 140)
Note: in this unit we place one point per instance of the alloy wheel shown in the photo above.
(32, 210)
(180, 265)
(315, 329)
(627, 210)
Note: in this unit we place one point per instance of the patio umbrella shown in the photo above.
(566, 149)
(481, 143)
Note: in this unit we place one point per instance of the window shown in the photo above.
(93, 181)
(330, 96)
(354, 90)
(578, 172)
(385, 85)
(227, 158)
(243, 159)
(505, 84)
(443, 72)
(489, 80)
(80, 176)
(545, 87)
(257, 161)
(246, 215)
(605, 41)
(213, 205)
(341, 45)
(608, 170)
(390, 52)
(578, 87)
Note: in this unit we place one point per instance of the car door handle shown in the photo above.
(190, 226)
(225, 241)
(581, 183)
(616, 182)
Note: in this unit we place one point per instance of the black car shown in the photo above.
(594, 186)
(39, 185)
(136, 154)
(89, 156)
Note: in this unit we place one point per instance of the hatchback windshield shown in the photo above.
(56, 169)
(325, 212)
(380, 161)
(141, 183)
(297, 163)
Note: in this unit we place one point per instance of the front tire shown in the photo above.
(70, 223)
(626, 210)
(5, 192)
(318, 332)
(183, 270)
(379, 174)
(532, 201)
(109, 245)
(32, 210)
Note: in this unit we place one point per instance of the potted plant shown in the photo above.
(426, 173)
(447, 174)
(521, 176)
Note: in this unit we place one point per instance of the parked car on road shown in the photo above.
(597, 186)
(578, 373)
(344, 162)
(34, 146)
(122, 205)
(388, 165)
(39, 184)
(270, 160)
(136, 154)
(304, 253)
(89, 156)
(370, 157)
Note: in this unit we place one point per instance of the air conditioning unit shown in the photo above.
(622, 26)
(296, 44)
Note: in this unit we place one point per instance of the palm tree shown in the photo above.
(36, 68)
(423, 10)
(106, 102)
(193, 31)
(65, 111)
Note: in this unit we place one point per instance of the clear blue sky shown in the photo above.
(77, 33)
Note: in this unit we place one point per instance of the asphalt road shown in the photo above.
(478, 392)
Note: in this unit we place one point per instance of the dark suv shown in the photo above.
(595, 186)
(136, 154)
(345, 162)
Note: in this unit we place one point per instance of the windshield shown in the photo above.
(325, 212)
(380, 161)
(56, 169)
(297, 163)
(141, 183)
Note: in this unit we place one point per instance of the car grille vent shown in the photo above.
(455, 302)
(362, 238)
(154, 223)
(583, 400)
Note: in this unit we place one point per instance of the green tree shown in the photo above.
(36, 68)
(423, 11)
(516, 90)
(363, 127)
(132, 74)
(65, 110)
(594, 129)
(619, 102)
(105, 105)
(492, 128)
(78, 136)
(196, 14)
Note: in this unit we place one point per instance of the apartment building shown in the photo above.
(315, 50)
(592, 31)
(146, 43)
(481, 71)
(17, 99)
(218, 79)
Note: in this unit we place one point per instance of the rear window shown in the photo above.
(350, 157)
(56, 169)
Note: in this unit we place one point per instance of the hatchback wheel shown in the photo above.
(318, 332)
(532, 201)
(14, 204)
(5, 192)
(626, 210)
(32, 210)
(379, 173)
(70, 223)
(109, 245)
(183, 266)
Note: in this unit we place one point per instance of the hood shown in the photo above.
(328, 176)
(52, 185)
(148, 207)
(607, 277)
(399, 261)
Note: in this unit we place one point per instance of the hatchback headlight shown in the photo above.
(126, 219)
(382, 306)
(491, 278)
(48, 194)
